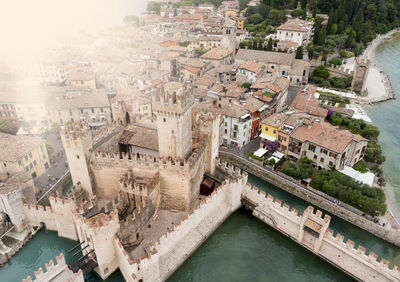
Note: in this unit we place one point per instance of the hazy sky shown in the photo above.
(28, 25)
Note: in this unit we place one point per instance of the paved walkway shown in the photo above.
(57, 169)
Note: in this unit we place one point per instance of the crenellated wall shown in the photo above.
(344, 256)
(174, 247)
(56, 272)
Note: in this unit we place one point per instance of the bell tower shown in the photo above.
(172, 104)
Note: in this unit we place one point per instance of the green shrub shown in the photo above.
(360, 166)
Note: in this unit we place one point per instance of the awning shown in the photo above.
(279, 155)
(260, 152)
(269, 138)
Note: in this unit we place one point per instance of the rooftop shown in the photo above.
(140, 136)
(218, 53)
(326, 135)
(15, 147)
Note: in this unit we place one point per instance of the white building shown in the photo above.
(249, 72)
(236, 126)
(295, 30)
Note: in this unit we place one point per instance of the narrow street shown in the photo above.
(58, 166)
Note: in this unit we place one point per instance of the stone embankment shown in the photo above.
(312, 232)
(317, 198)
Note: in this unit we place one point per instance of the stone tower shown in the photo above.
(78, 144)
(361, 68)
(229, 35)
(172, 104)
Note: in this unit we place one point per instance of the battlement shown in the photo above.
(52, 270)
(361, 253)
(340, 70)
(172, 99)
(267, 207)
(128, 160)
(230, 169)
(363, 61)
(105, 131)
(141, 186)
(97, 222)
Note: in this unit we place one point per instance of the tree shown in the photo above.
(310, 51)
(154, 6)
(269, 45)
(246, 85)
(131, 19)
(321, 37)
(299, 53)
(255, 19)
(335, 61)
(304, 15)
(303, 4)
(297, 13)
(334, 29)
(321, 72)
(6, 127)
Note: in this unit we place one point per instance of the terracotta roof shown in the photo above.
(305, 101)
(234, 110)
(217, 54)
(295, 25)
(265, 57)
(206, 81)
(253, 104)
(326, 135)
(14, 148)
(140, 136)
(251, 66)
(190, 62)
(192, 69)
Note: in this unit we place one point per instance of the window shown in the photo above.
(315, 157)
(81, 111)
(311, 148)
(34, 163)
(330, 163)
(27, 168)
(41, 148)
(44, 156)
(19, 162)
(92, 111)
(266, 128)
(30, 155)
(234, 135)
(235, 127)
(30, 165)
(274, 131)
(284, 148)
(226, 124)
(322, 160)
(333, 155)
(26, 158)
(226, 131)
(165, 119)
(5, 165)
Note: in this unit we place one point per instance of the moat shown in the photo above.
(242, 248)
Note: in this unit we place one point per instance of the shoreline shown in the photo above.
(383, 90)
(393, 213)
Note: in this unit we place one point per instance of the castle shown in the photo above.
(144, 214)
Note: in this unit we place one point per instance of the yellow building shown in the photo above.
(270, 129)
(240, 22)
(82, 79)
(230, 13)
(23, 154)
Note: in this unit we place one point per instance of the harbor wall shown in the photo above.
(320, 240)
(317, 198)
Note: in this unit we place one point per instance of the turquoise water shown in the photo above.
(386, 115)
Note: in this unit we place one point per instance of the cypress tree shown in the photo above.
(299, 53)
(269, 46)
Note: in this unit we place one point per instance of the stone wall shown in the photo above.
(344, 256)
(56, 272)
(174, 247)
(314, 197)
